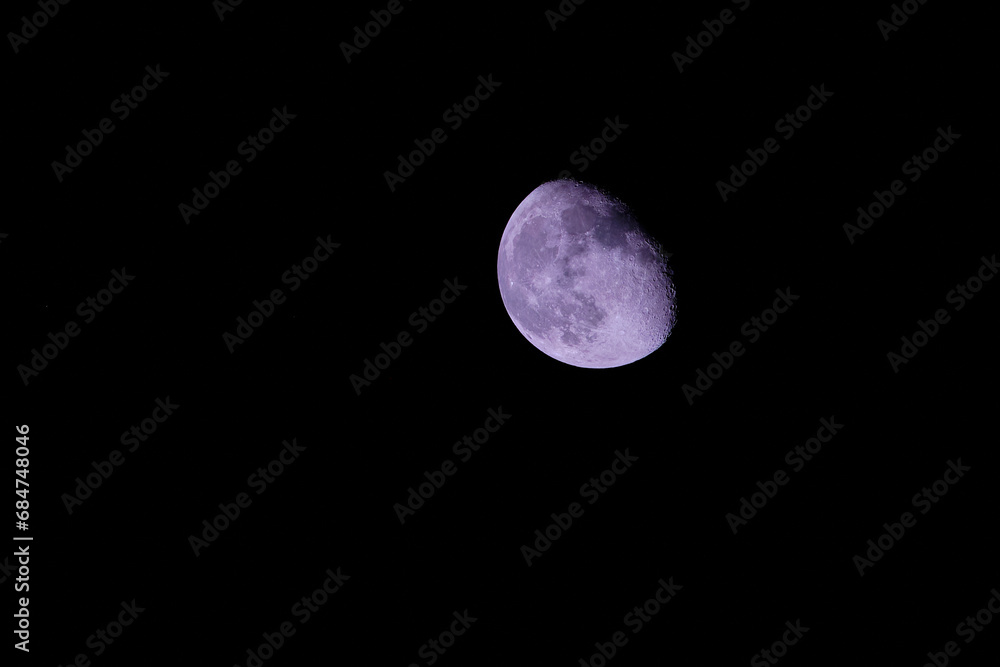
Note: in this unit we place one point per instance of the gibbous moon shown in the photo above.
(582, 280)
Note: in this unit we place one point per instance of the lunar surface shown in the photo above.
(582, 280)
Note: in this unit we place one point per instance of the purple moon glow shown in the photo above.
(582, 280)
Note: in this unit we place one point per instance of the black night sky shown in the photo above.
(225, 184)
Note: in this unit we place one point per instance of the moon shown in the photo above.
(582, 280)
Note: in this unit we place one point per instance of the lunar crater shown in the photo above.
(582, 280)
